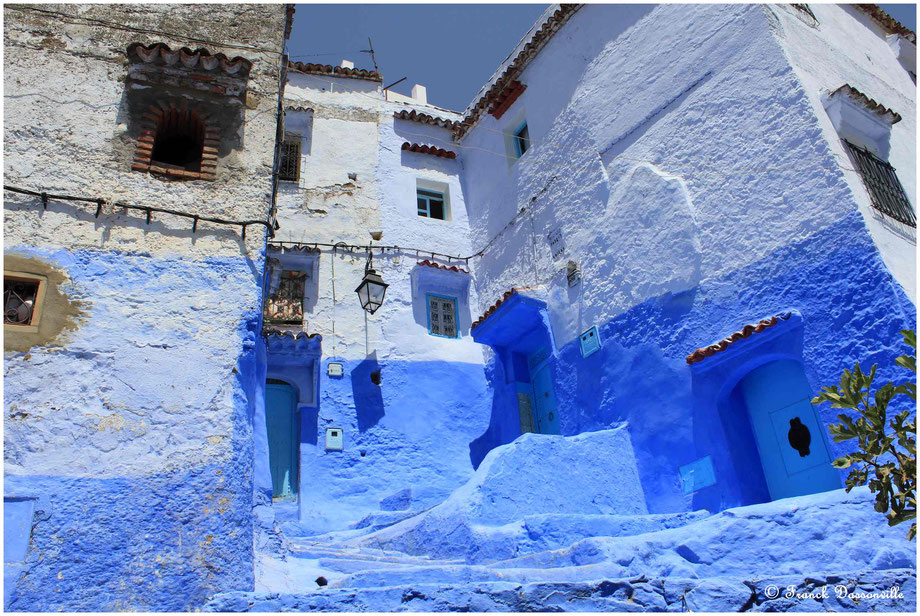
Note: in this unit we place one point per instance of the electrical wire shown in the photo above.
(147, 209)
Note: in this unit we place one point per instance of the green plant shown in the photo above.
(887, 461)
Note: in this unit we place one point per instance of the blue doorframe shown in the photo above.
(519, 332)
(283, 428)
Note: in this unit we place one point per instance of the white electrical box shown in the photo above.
(335, 439)
(335, 369)
(590, 342)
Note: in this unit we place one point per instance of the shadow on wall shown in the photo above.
(365, 387)
(504, 421)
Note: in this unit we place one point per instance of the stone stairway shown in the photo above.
(723, 562)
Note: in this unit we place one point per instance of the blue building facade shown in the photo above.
(610, 289)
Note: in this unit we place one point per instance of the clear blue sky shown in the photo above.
(452, 49)
(905, 13)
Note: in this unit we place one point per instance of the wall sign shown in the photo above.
(590, 342)
(556, 243)
(697, 475)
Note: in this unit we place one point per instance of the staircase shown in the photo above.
(730, 561)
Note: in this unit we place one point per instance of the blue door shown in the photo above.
(283, 438)
(545, 416)
(790, 438)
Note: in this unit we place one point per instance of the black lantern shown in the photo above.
(372, 288)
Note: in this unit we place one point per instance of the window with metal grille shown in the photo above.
(285, 306)
(289, 169)
(804, 8)
(442, 316)
(885, 190)
(19, 298)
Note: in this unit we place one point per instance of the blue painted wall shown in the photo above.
(149, 504)
(852, 311)
(413, 430)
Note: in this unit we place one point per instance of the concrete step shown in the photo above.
(813, 593)
(300, 549)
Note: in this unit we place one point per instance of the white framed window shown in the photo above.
(432, 199)
(442, 316)
(430, 204)
(521, 140)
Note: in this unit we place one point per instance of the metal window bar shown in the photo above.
(289, 169)
(19, 300)
(442, 316)
(885, 190)
(806, 9)
(285, 306)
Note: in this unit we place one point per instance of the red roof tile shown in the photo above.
(887, 22)
(424, 118)
(450, 268)
(334, 71)
(520, 62)
(428, 149)
(745, 332)
(494, 307)
(201, 59)
(867, 102)
(506, 98)
(285, 333)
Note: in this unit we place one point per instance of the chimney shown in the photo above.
(420, 93)
(347, 64)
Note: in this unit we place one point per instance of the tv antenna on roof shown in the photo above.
(371, 51)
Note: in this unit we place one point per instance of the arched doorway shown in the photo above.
(283, 427)
(790, 438)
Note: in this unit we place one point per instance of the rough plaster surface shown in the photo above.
(642, 594)
(73, 133)
(412, 431)
(725, 562)
(59, 314)
(849, 47)
(111, 455)
(134, 430)
(688, 177)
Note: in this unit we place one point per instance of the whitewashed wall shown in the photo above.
(421, 428)
(685, 118)
(848, 47)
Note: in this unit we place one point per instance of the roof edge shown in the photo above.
(521, 56)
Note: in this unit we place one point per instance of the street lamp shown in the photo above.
(372, 288)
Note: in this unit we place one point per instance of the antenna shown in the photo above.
(371, 51)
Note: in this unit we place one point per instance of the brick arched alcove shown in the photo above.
(176, 140)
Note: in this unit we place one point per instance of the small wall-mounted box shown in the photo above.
(335, 439)
(697, 475)
(590, 342)
(335, 369)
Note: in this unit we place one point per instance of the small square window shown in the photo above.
(521, 140)
(289, 165)
(442, 316)
(22, 299)
(431, 204)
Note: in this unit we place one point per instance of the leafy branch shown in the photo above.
(887, 461)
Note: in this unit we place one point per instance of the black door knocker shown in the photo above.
(799, 436)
